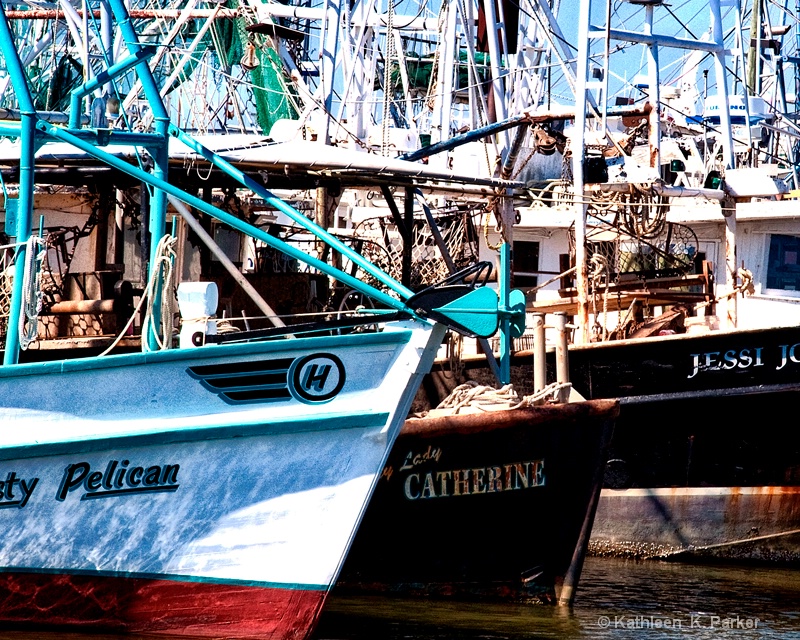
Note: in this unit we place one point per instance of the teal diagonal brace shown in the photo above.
(292, 213)
(140, 56)
(232, 221)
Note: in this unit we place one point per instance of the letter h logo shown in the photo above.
(315, 377)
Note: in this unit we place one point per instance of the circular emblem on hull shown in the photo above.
(316, 378)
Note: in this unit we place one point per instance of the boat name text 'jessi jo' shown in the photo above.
(465, 482)
(741, 359)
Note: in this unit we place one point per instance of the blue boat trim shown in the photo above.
(171, 577)
(169, 435)
(249, 349)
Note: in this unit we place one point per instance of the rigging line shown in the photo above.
(785, 10)
(666, 6)
(422, 8)
(535, 16)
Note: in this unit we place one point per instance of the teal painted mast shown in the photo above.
(158, 200)
(27, 163)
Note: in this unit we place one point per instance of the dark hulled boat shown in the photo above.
(494, 505)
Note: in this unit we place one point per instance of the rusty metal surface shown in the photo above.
(55, 14)
(730, 523)
(504, 419)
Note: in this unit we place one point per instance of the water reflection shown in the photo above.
(616, 600)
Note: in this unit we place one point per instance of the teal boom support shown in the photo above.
(292, 213)
(232, 221)
(474, 313)
(158, 201)
(28, 145)
(139, 57)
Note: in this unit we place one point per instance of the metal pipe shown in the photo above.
(142, 55)
(504, 291)
(234, 222)
(498, 75)
(578, 143)
(513, 154)
(526, 117)
(562, 350)
(656, 39)
(410, 22)
(57, 14)
(539, 353)
(662, 189)
(160, 153)
(27, 162)
(295, 215)
(81, 306)
(722, 85)
(226, 262)
(57, 117)
(653, 95)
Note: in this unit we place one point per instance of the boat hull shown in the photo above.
(759, 524)
(700, 465)
(705, 415)
(195, 492)
(487, 505)
(120, 604)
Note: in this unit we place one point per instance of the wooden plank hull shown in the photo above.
(486, 505)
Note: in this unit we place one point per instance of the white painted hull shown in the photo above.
(154, 481)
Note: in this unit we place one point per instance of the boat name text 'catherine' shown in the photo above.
(465, 482)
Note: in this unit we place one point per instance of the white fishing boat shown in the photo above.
(208, 485)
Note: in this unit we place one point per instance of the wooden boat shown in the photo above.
(485, 505)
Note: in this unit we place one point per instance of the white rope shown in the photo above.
(551, 394)
(481, 397)
(165, 255)
(31, 291)
(164, 260)
(472, 397)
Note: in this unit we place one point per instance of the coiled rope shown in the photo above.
(35, 250)
(472, 397)
(165, 257)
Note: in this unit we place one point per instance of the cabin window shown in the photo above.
(526, 263)
(783, 268)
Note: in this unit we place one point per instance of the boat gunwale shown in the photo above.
(215, 351)
(167, 435)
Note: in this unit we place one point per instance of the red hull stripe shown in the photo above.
(157, 606)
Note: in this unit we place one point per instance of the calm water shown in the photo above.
(617, 599)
